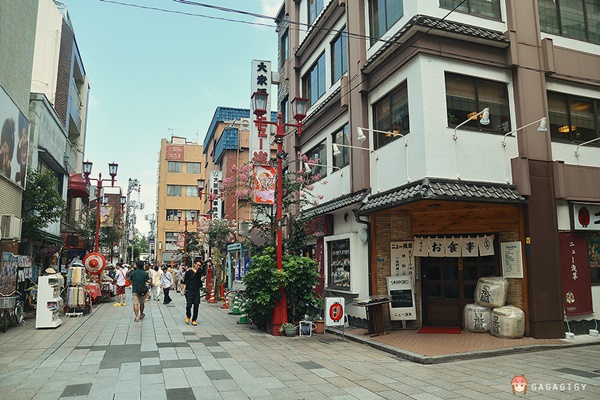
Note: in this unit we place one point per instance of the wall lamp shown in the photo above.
(337, 152)
(541, 128)
(485, 120)
(307, 166)
(583, 144)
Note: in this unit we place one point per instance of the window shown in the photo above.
(175, 166)
(484, 8)
(339, 264)
(173, 190)
(284, 48)
(171, 241)
(573, 119)
(577, 19)
(191, 191)
(318, 155)
(382, 15)
(314, 9)
(192, 167)
(342, 137)
(339, 56)
(467, 96)
(171, 215)
(313, 83)
(391, 114)
(283, 108)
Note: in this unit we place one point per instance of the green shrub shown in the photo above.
(262, 283)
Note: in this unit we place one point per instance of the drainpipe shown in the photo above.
(368, 224)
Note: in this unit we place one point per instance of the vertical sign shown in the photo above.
(14, 141)
(576, 281)
(403, 262)
(261, 82)
(334, 311)
(215, 203)
(263, 184)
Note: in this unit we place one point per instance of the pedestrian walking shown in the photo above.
(177, 278)
(192, 282)
(156, 282)
(139, 282)
(167, 283)
(119, 281)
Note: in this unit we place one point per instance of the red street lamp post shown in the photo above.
(209, 269)
(299, 106)
(112, 171)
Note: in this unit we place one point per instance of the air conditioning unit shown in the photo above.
(10, 227)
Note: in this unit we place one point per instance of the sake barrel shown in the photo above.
(491, 291)
(508, 322)
(477, 318)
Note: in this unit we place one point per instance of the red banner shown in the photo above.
(263, 184)
(575, 266)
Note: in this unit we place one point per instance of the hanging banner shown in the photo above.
(403, 263)
(436, 247)
(469, 247)
(107, 215)
(263, 184)
(576, 281)
(453, 246)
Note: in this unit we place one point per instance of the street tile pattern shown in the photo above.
(106, 355)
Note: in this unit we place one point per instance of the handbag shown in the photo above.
(127, 281)
(142, 290)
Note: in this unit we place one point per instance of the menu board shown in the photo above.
(512, 264)
(402, 295)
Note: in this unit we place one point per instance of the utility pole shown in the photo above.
(134, 185)
(151, 238)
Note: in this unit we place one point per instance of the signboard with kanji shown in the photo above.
(576, 281)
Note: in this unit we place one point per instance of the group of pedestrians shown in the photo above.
(149, 283)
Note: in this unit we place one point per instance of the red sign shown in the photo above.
(575, 266)
(174, 152)
(336, 312)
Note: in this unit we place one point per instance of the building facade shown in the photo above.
(181, 164)
(427, 180)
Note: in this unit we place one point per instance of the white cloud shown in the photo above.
(271, 7)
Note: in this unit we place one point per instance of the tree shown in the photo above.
(42, 204)
(220, 232)
(108, 236)
(297, 194)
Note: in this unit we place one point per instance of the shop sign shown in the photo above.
(260, 81)
(174, 152)
(320, 226)
(402, 295)
(334, 311)
(403, 263)
(15, 141)
(586, 217)
(576, 281)
(453, 246)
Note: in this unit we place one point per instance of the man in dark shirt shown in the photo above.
(192, 282)
(139, 279)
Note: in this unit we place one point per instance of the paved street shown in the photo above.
(107, 355)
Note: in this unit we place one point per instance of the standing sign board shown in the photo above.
(512, 260)
(576, 279)
(334, 311)
(400, 290)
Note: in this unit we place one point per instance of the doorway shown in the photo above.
(448, 284)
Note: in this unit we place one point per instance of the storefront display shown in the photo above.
(49, 302)
(339, 264)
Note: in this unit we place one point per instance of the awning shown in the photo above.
(78, 187)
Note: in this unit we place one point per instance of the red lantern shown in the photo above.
(584, 216)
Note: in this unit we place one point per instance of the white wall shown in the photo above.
(47, 48)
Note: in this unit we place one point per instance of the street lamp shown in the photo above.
(193, 218)
(299, 107)
(112, 171)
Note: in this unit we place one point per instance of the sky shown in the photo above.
(154, 74)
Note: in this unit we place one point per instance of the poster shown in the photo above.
(107, 216)
(14, 141)
(263, 184)
(512, 260)
(403, 262)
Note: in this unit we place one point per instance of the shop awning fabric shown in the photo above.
(78, 187)
(442, 189)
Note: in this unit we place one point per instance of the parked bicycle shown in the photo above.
(11, 306)
(230, 298)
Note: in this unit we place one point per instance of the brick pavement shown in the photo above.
(107, 355)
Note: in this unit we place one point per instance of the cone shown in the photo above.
(236, 306)
(212, 295)
(243, 317)
(224, 306)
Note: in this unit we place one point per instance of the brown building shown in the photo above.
(452, 99)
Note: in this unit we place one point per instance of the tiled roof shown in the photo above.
(438, 24)
(227, 141)
(223, 114)
(442, 189)
(334, 204)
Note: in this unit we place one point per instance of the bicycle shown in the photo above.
(12, 309)
(230, 298)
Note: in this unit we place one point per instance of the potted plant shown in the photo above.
(318, 317)
(288, 328)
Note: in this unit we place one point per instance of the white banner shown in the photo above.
(486, 245)
(452, 246)
(470, 246)
(436, 247)
(402, 259)
(421, 247)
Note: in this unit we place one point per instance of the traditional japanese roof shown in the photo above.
(442, 189)
(436, 26)
(335, 204)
